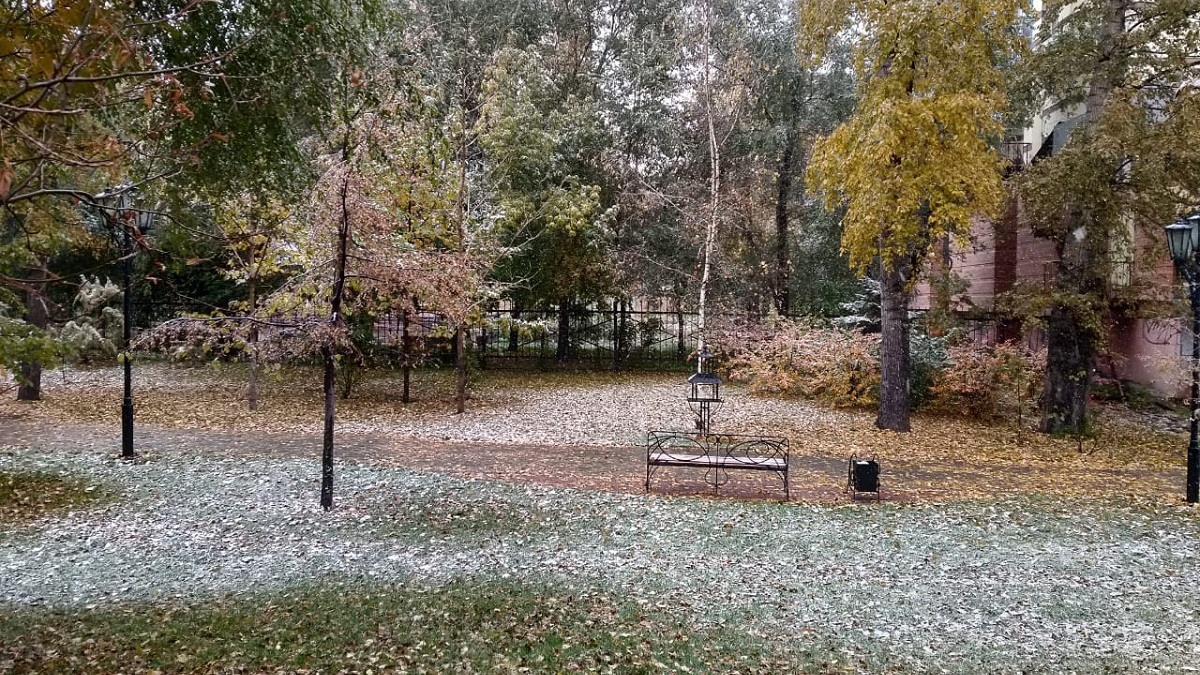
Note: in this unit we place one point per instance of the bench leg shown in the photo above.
(787, 487)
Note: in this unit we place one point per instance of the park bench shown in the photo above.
(717, 454)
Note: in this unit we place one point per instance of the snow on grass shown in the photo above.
(970, 587)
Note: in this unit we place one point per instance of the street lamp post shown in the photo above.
(119, 212)
(1183, 240)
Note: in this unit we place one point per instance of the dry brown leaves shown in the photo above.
(946, 458)
(943, 458)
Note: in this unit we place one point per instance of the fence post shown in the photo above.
(542, 350)
(616, 339)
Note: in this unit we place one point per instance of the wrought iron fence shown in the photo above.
(595, 338)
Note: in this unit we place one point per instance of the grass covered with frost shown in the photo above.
(211, 564)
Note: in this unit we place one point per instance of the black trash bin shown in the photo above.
(863, 476)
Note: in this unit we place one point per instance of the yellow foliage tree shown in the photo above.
(918, 160)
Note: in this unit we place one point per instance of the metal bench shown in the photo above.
(717, 454)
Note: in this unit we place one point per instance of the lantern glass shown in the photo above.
(1194, 223)
(705, 387)
(1179, 241)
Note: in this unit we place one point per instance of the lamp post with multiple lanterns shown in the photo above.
(1183, 240)
(121, 216)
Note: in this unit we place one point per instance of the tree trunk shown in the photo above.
(1070, 347)
(783, 190)
(714, 195)
(1069, 354)
(336, 321)
(514, 333)
(680, 333)
(252, 340)
(623, 333)
(619, 326)
(38, 314)
(460, 367)
(895, 404)
(349, 372)
(563, 351)
(406, 357)
(327, 438)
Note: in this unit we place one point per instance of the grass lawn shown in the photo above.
(459, 627)
(209, 564)
(32, 495)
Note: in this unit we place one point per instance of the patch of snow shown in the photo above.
(1002, 586)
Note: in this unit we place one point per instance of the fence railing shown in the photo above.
(595, 338)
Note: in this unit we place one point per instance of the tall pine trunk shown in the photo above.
(38, 314)
(895, 403)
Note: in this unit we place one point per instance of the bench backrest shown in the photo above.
(751, 449)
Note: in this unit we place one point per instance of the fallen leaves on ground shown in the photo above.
(25, 496)
(210, 562)
(551, 428)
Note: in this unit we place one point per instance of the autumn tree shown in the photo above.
(391, 219)
(553, 216)
(770, 230)
(1125, 73)
(918, 158)
(96, 94)
(261, 244)
(75, 79)
(791, 105)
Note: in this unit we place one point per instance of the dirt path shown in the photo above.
(814, 478)
(606, 468)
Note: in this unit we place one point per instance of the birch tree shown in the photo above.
(918, 160)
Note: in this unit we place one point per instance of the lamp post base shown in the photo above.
(127, 429)
(1193, 472)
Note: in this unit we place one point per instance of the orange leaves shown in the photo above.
(800, 359)
(978, 379)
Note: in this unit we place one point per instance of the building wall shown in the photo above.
(1000, 255)
(1148, 353)
(992, 259)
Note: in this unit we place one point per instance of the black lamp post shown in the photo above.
(117, 206)
(1183, 240)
